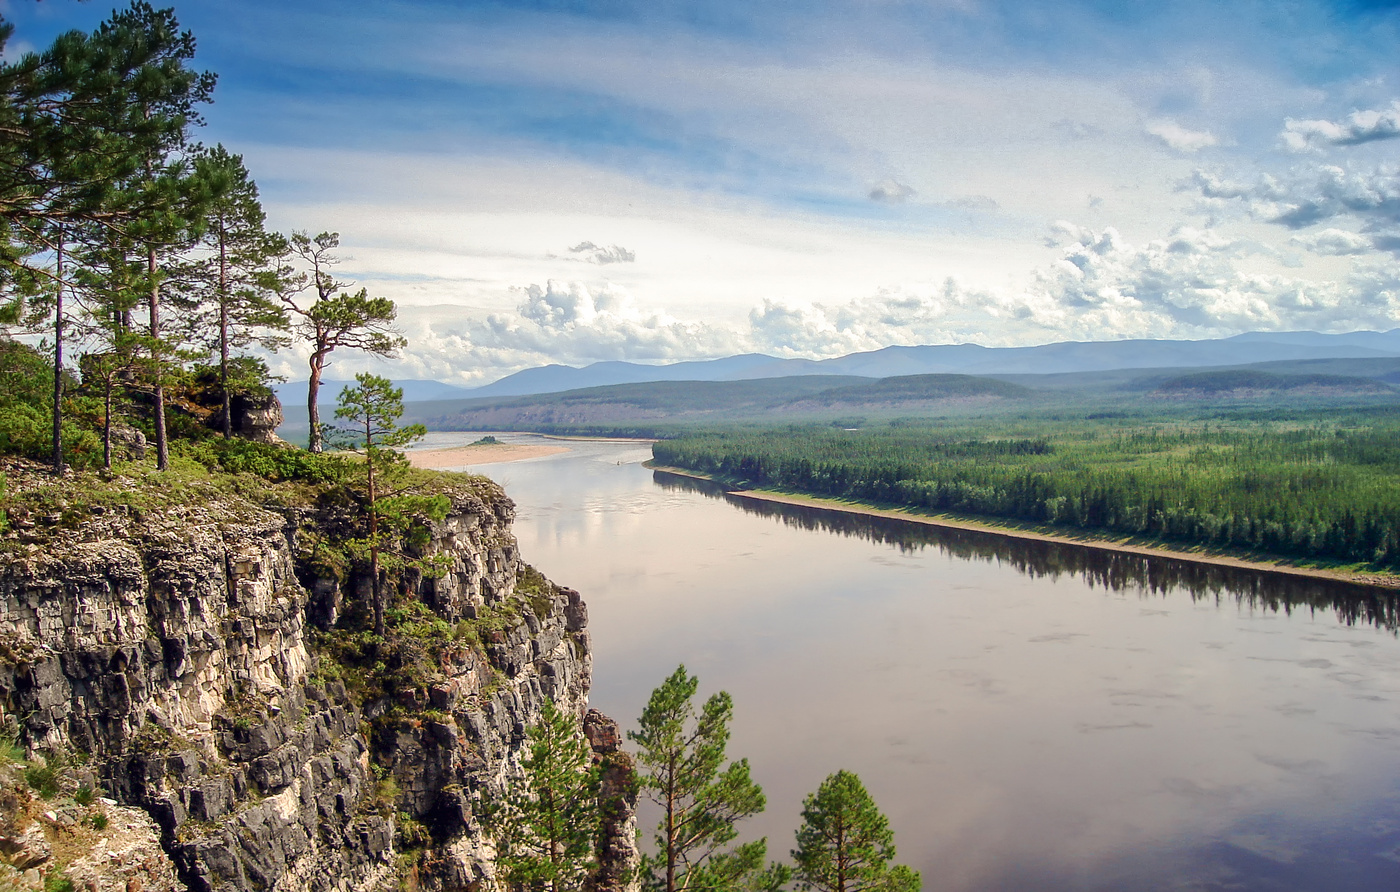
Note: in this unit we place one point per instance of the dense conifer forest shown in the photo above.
(1315, 485)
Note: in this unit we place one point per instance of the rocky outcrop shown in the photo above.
(177, 651)
(256, 417)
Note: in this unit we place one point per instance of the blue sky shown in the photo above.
(656, 181)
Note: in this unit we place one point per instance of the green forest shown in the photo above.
(136, 269)
(1316, 485)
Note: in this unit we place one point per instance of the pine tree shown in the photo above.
(92, 131)
(330, 320)
(680, 758)
(229, 293)
(547, 827)
(374, 406)
(845, 844)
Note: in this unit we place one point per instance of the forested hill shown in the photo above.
(1250, 382)
(1330, 490)
(795, 397)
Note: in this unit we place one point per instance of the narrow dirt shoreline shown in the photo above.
(1099, 544)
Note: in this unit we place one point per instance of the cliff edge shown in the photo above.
(186, 664)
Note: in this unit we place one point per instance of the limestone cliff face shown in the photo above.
(178, 650)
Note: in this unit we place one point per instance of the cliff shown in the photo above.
(188, 658)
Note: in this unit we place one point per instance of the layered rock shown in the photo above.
(174, 649)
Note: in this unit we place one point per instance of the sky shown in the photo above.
(566, 181)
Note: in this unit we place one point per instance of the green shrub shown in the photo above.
(272, 462)
(43, 778)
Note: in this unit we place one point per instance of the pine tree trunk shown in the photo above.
(162, 443)
(373, 533)
(58, 368)
(313, 414)
(107, 424)
(223, 336)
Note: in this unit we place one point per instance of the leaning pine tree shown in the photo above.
(327, 320)
(845, 844)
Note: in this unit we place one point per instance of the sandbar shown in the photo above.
(485, 454)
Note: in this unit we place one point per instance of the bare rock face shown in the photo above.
(619, 861)
(128, 442)
(175, 650)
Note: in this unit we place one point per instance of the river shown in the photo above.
(1028, 715)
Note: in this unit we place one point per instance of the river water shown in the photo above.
(1028, 715)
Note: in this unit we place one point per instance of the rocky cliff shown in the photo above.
(190, 662)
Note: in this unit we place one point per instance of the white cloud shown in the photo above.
(603, 255)
(1334, 242)
(891, 192)
(1076, 130)
(1308, 196)
(1195, 282)
(973, 203)
(1180, 139)
(1185, 285)
(1358, 127)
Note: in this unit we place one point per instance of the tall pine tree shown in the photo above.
(229, 288)
(681, 758)
(547, 826)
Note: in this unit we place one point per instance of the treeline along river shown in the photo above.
(1030, 715)
(1321, 491)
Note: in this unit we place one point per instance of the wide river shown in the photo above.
(1028, 715)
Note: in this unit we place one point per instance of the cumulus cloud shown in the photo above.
(1308, 196)
(1334, 242)
(1194, 282)
(599, 254)
(1179, 138)
(567, 322)
(1358, 127)
(1187, 284)
(891, 192)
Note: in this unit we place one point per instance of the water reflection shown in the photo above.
(1029, 715)
(1116, 571)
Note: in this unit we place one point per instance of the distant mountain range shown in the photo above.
(967, 359)
(293, 393)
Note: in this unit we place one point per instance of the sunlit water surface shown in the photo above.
(1029, 716)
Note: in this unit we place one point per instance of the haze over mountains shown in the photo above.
(1262, 366)
(966, 359)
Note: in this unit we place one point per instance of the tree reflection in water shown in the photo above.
(1116, 571)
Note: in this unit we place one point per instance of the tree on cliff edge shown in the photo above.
(374, 406)
(330, 320)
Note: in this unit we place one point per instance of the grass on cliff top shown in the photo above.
(211, 473)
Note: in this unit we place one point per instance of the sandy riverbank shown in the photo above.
(1127, 547)
(485, 454)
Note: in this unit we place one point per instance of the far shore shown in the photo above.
(1085, 541)
(484, 454)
